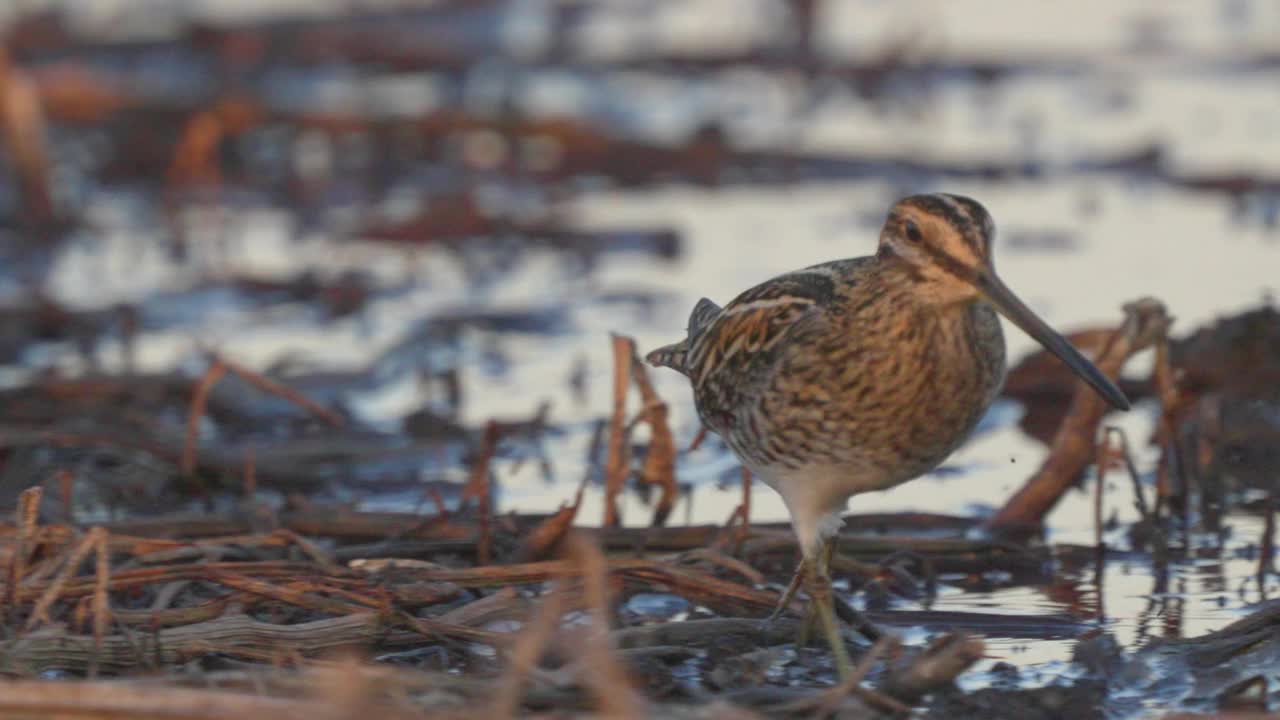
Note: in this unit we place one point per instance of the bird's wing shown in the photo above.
(736, 348)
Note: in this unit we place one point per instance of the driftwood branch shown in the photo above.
(55, 648)
(1073, 446)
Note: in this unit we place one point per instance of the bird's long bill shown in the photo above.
(1011, 307)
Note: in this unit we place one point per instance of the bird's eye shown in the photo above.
(913, 232)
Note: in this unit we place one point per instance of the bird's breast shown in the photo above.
(896, 395)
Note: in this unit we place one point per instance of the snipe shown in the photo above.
(861, 374)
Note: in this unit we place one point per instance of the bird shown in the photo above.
(861, 374)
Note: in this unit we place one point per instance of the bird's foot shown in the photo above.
(784, 601)
(822, 607)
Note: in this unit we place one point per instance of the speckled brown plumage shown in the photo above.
(839, 382)
(861, 374)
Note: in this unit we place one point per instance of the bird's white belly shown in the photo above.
(816, 496)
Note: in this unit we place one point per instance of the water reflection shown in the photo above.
(469, 233)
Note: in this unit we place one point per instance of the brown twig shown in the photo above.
(101, 605)
(280, 390)
(607, 678)
(713, 556)
(250, 474)
(1126, 456)
(1172, 479)
(40, 613)
(317, 554)
(698, 438)
(543, 539)
(477, 488)
(830, 699)
(23, 133)
(1101, 463)
(66, 489)
(618, 465)
(523, 657)
(660, 459)
(28, 521)
(64, 587)
(195, 157)
(937, 667)
(435, 629)
(288, 596)
(199, 401)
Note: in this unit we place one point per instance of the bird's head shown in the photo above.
(943, 243)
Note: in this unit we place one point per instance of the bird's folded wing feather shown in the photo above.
(732, 351)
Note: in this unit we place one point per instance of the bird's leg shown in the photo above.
(810, 614)
(819, 577)
(796, 580)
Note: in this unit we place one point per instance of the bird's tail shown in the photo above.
(670, 356)
(674, 355)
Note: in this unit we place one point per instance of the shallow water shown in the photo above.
(1076, 240)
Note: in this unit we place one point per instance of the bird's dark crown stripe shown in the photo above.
(961, 213)
(980, 227)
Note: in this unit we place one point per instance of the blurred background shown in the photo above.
(426, 216)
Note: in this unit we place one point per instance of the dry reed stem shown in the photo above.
(938, 666)
(67, 588)
(379, 528)
(618, 465)
(280, 390)
(482, 609)
(99, 700)
(729, 529)
(1145, 323)
(830, 699)
(607, 678)
(59, 550)
(40, 613)
(288, 596)
(477, 488)
(199, 401)
(377, 601)
(28, 522)
(660, 458)
(231, 634)
(1101, 463)
(699, 438)
(1125, 455)
(154, 617)
(715, 557)
(23, 133)
(66, 490)
(539, 542)
(738, 525)
(1171, 406)
(195, 157)
(703, 588)
(101, 604)
(445, 631)
(353, 690)
(317, 554)
(250, 474)
(524, 654)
